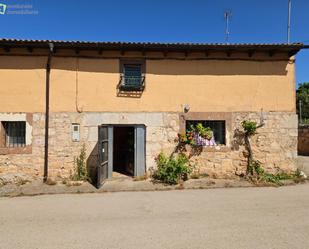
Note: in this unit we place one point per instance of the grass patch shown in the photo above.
(259, 175)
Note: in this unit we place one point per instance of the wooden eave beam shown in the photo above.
(251, 52)
(291, 53)
(187, 53)
(271, 53)
(7, 49)
(143, 52)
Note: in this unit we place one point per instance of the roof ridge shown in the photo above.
(150, 43)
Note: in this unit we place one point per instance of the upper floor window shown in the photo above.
(132, 76)
(14, 133)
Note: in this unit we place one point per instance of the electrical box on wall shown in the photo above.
(75, 132)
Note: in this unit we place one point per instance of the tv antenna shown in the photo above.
(289, 21)
(227, 16)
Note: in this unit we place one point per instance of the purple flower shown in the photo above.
(203, 141)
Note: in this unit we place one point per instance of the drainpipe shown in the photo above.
(51, 50)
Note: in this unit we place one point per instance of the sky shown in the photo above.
(256, 21)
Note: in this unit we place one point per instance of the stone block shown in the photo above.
(132, 118)
(92, 134)
(289, 121)
(154, 119)
(227, 164)
(96, 119)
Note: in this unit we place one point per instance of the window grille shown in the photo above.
(132, 78)
(15, 133)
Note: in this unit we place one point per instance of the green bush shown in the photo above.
(80, 169)
(171, 170)
(249, 127)
(302, 94)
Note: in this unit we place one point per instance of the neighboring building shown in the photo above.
(145, 94)
(303, 140)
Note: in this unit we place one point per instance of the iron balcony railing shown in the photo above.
(132, 83)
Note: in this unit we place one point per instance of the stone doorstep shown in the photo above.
(39, 188)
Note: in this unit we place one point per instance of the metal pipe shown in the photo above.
(51, 50)
(289, 21)
(300, 112)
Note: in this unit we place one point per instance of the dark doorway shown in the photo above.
(123, 150)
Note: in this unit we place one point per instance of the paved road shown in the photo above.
(217, 218)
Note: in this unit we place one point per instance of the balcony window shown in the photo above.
(132, 77)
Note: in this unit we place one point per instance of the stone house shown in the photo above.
(126, 102)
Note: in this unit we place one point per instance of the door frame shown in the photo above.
(102, 165)
(110, 167)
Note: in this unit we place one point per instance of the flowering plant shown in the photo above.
(198, 135)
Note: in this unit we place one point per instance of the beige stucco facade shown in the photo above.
(205, 85)
(83, 90)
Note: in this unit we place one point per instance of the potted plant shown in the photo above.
(197, 135)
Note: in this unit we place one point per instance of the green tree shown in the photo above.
(302, 94)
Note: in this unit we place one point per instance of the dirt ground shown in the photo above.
(118, 184)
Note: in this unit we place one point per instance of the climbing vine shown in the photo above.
(255, 172)
(250, 128)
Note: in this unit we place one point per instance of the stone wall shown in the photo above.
(303, 140)
(275, 145)
(161, 131)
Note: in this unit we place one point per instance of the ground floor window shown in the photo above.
(217, 126)
(14, 133)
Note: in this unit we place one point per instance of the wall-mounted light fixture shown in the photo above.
(186, 108)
